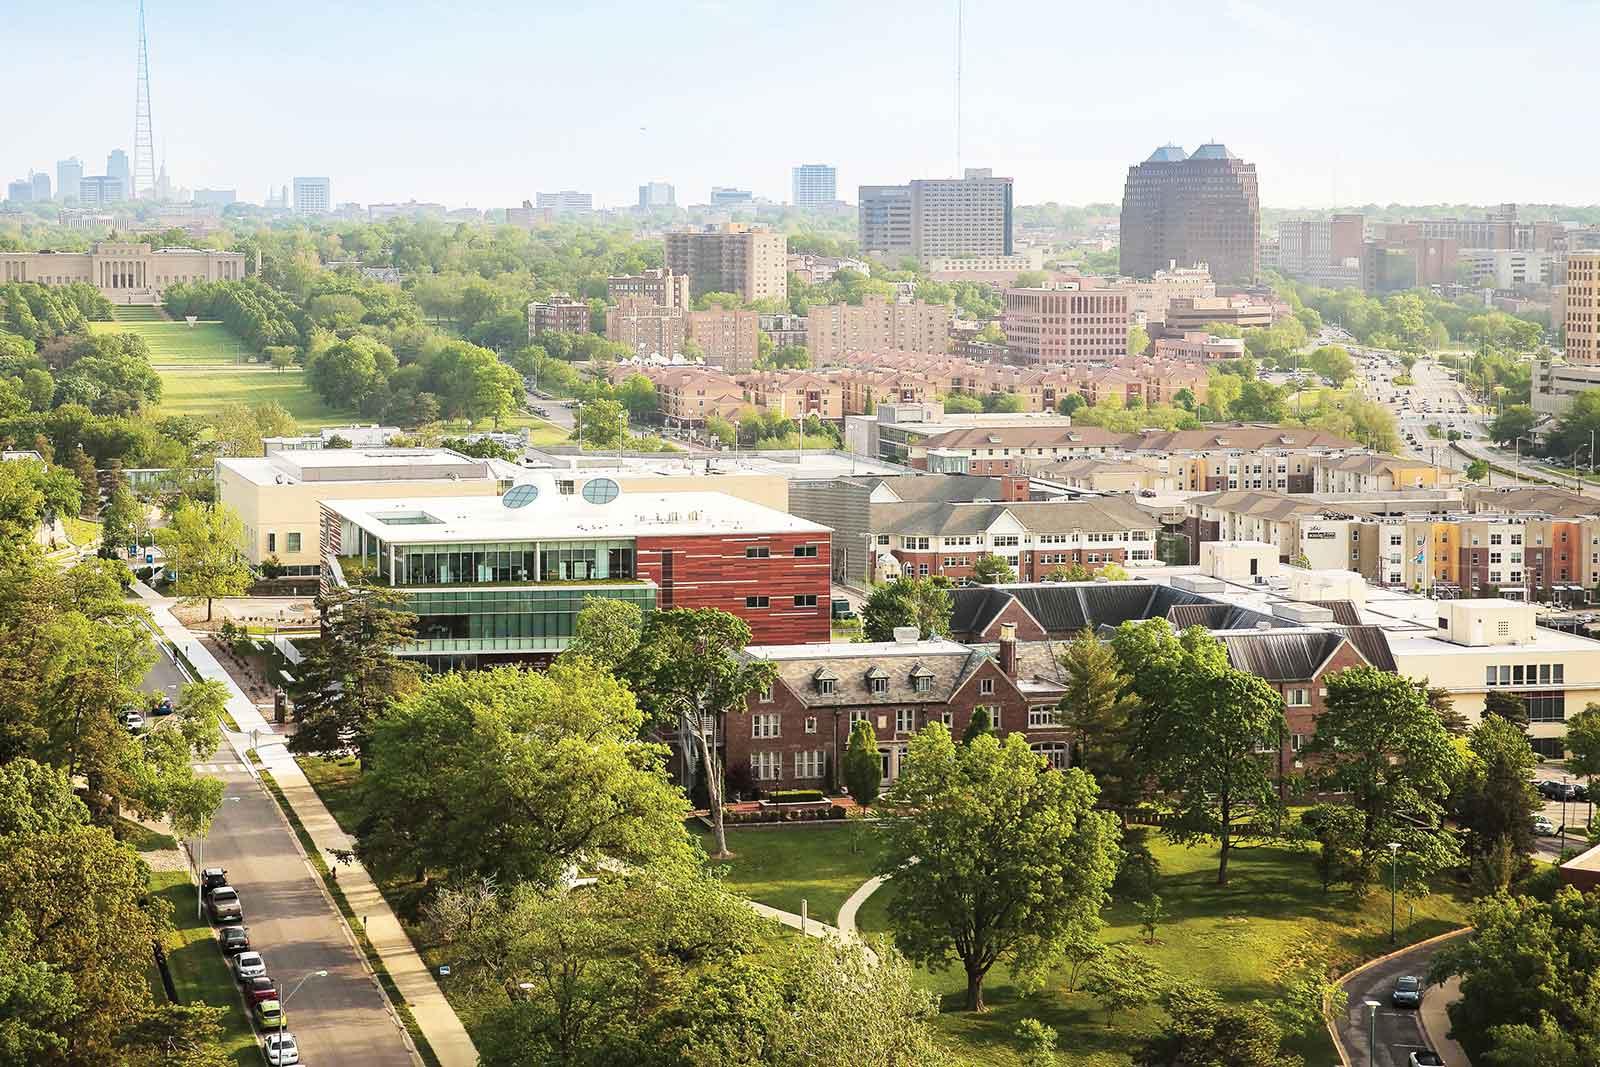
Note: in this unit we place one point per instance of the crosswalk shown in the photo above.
(218, 768)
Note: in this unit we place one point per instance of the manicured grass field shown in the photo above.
(205, 390)
(198, 970)
(1236, 939)
(179, 344)
(780, 866)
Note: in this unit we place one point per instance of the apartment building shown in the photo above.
(650, 330)
(1188, 209)
(565, 202)
(560, 313)
(1066, 325)
(729, 340)
(938, 217)
(731, 258)
(834, 331)
(1034, 537)
(659, 286)
(687, 396)
(1582, 321)
(814, 185)
(797, 394)
(1375, 473)
(819, 270)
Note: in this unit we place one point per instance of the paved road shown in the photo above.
(338, 1019)
(1399, 1031)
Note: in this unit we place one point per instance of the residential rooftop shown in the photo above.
(298, 466)
(547, 513)
(790, 463)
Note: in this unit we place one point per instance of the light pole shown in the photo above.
(1372, 1033)
(1564, 780)
(1516, 450)
(1394, 882)
(283, 1005)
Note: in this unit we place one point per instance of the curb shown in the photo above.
(1327, 1017)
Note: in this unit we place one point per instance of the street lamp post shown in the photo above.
(1564, 780)
(283, 1005)
(1394, 882)
(1372, 1033)
(1516, 451)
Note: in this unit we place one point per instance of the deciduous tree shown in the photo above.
(202, 545)
(607, 631)
(921, 602)
(690, 676)
(993, 856)
(990, 569)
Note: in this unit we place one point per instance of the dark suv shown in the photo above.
(210, 878)
(233, 939)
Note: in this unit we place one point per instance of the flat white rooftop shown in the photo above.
(869, 650)
(297, 466)
(552, 515)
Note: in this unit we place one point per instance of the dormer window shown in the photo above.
(825, 681)
(877, 681)
(921, 679)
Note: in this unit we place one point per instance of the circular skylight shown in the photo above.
(520, 496)
(600, 490)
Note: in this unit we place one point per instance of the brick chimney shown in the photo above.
(1015, 487)
(1008, 649)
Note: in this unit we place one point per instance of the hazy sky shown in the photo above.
(485, 103)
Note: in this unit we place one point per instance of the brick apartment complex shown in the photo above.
(1035, 537)
(731, 258)
(649, 329)
(687, 396)
(560, 313)
(1188, 209)
(1040, 388)
(938, 217)
(729, 340)
(659, 286)
(797, 394)
(1066, 325)
(836, 330)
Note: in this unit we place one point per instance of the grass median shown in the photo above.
(200, 974)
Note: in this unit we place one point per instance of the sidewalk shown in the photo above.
(1435, 1018)
(437, 1020)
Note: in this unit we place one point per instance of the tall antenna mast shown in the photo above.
(960, 6)
(144, 149)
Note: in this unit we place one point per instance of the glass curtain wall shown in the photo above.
(510, 562)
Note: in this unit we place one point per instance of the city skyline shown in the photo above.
(1065, 126)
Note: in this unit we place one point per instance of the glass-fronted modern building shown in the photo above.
(504, 578)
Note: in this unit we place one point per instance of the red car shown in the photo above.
(258, 989)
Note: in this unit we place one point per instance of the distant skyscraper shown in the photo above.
(117, 167)
(1183, 209)
(814, 184)
(313, 196)
(216, 197)
(69, 172)
(938, 217)
(20, 191)
(41, 187)
(657, 194)
(731, 259)
(727, 195)
(144, 147)
(1583, 297)
(566, 202)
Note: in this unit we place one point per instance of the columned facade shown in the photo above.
(123, 272)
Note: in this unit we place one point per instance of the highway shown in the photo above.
(295, 927)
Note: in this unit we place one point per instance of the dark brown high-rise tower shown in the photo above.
(1185, 209)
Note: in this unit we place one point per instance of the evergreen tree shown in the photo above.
(863, 767)
(350, 677)
(1099, 709)
(977, 726)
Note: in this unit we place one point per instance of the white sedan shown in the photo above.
(281, 1050)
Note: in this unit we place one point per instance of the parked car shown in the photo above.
(269, 1013)
(1562, 790)
(133, 721)
(224, 905)
(1407, 991)
(1424, 1057)
(841, 610)
(281, 1050)
(233, 940)
(248, 965)
(259, 988)
(163, 706)
(1543, 827)
(211, 877)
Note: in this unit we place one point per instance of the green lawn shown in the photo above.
(142, 838)
(781, 865)
(1233, 939)
(198, 970)
(204, 390)
(178, 343)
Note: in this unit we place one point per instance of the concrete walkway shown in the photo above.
(1436, 1023)
(812, 928)
(437, 1020)
(852, 903)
